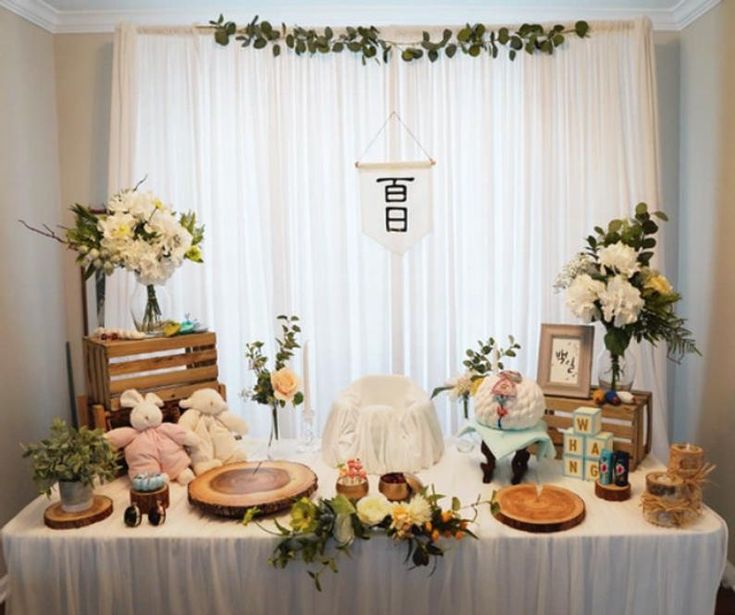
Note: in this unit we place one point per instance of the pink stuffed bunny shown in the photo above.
(151, 445)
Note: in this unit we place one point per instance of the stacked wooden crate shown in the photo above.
(172, 368)
(630, 424)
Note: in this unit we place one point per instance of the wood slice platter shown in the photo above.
(230, 490)
(553, 509)
(55, 517)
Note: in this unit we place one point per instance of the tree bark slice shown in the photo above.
(271, 486)
(612, 493)
(55, 517)
(552, 510)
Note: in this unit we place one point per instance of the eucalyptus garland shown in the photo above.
(365, 41)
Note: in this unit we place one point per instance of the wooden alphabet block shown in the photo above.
(595, 444)
(591, 469)
(573, 466)
(574, 443)
(587, 420)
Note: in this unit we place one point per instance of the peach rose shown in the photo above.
(285, 384)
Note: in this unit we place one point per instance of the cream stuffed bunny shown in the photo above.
(208, 416)
(150, 444)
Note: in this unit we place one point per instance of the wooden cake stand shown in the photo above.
(56, 518)
(271, 486)
(553, 509)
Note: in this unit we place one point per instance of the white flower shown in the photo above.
(621, 301)
(419, 510)
(581, 263)
(461, 385)
(344, 533)
(581, 296)
(372, 509)
(619, 258)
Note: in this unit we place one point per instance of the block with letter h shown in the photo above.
(583, 444)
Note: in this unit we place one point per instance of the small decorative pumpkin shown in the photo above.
(148, 482)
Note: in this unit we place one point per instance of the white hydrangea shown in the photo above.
(581, 296)
(621, 302)
(620, 258)
(461, 385)
(155, 255)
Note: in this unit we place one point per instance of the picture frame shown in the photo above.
(565, 359)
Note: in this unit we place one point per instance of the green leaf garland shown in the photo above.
(366, 42)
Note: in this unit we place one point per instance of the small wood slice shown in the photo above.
(552, 510)
(149, 500)
(230, 490)
(57, 519)
(613, 493)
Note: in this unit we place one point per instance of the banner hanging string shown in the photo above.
(382, 129)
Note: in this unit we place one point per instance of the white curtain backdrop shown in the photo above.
(530, 156)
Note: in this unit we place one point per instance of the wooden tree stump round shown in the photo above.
(271, 486)
(552, 509)
(612, 493)
(56, 518)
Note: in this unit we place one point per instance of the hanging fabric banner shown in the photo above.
(395, 199)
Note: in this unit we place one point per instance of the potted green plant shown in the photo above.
(73, 458)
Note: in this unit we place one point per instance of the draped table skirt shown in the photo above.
(614, 562)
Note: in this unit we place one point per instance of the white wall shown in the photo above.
(32, 309)
(704, 404)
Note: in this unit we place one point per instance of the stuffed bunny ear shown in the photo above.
(186, 403)
(130, 398)
(153, 398)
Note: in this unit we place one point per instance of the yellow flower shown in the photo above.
(660, 284)
(303, 516)
(476, 385)
(122, 231)
(194, 254)
(285, 384)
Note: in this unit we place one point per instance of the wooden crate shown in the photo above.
(630, 424)
(172, 368)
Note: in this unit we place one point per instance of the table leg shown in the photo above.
(519, 465)
(489, 467)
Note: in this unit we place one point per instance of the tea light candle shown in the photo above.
(664, 485)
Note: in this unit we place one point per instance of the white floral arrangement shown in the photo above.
(136, 231)
(613, 283)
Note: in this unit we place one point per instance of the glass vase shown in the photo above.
(150, 307)
(616, 372)
(274, 435)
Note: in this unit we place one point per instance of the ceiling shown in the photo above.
(76, 16)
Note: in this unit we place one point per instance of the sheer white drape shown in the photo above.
(530, 154)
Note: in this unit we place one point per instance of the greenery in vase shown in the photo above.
(367, 43)
(487, 359)
(319, 531)
(69, 454)
(612, 282)
(281, 385)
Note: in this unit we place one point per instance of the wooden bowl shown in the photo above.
(353, 492)
(393, 490)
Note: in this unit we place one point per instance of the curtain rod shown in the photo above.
(598, 26)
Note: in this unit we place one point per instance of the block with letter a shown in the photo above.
(595, 444)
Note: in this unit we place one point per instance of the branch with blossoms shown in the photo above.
(319, 531)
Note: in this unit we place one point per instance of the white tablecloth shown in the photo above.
(614, 562)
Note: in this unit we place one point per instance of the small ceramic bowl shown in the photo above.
(353, 492)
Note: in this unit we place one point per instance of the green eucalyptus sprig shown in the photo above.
(69, 454)
(366, 42)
